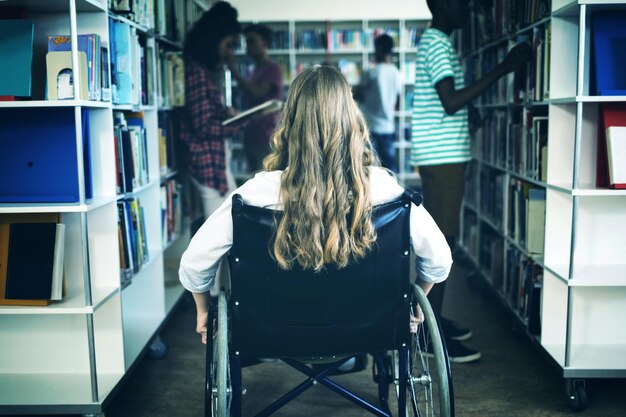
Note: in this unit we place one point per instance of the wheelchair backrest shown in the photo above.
(296, 313)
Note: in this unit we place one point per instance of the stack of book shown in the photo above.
(132, 238)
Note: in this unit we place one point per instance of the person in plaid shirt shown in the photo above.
(207, 47)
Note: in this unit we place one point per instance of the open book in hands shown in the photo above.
(270, 106)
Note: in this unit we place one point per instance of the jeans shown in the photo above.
(383, 143)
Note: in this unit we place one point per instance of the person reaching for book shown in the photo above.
(440, 137)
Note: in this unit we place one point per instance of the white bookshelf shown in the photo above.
(297, 57)
(68, 357)
(583, 285)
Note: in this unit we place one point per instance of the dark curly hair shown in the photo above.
(204, 37)
(264, 32)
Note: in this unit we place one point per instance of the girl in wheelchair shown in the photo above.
(321, 168)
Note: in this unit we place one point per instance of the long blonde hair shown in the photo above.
(323, 146)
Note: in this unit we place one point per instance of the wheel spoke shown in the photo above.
(428, 384)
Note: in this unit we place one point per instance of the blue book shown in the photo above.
(132, 242)
(608, 36)
(113, 66)
(16, 57)
(86, 154)
(122, 63)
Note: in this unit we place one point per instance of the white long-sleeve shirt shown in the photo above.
(213, 240)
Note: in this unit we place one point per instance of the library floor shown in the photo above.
(512, 378)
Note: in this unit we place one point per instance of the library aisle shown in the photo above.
(513, 378)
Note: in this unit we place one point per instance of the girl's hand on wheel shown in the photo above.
(416, 319)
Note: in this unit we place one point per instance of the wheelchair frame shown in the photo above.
(429, 388)
(224, 381)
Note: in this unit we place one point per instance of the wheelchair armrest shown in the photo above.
(415, 196)
(237, 203)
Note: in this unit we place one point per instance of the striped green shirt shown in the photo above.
(436, 137)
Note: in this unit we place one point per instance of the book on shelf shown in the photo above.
(125, 236)
(496, 271)
(616, 155)
(492, 195)
(608, 69)
(171, 210)
(131, 151)
(170, 75)
(523, 286)
(170, 19)
(121, 6)
(518, 194)
(610, 115)
(167, 143)
(121, 36)
(105, 72)
(270, 106)
(133, 245)
(176, 79)
(90, 45)
(535, 220)
(139, 146)
(530, 274)
(31, 259)
(346, 39)
(124, 49)
(535, 303)
(141, 12)
(147, 73)
(311, 39)
(16, 56)
(538, 168)
(537, 83)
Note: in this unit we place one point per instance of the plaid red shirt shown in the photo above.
(202, 129)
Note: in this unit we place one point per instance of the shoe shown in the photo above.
(452, 330)
(458, 353)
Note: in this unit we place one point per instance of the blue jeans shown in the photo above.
(383, 143)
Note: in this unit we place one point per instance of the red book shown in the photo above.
(611, 114)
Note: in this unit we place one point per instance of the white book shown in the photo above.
(535, 220)
(616, 152)
(56, 292)
(270, 106)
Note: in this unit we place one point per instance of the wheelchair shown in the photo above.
(303, 318)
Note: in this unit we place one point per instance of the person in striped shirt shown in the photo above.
(440, 134)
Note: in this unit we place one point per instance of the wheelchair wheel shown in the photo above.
(220, 381)
(429, 385)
